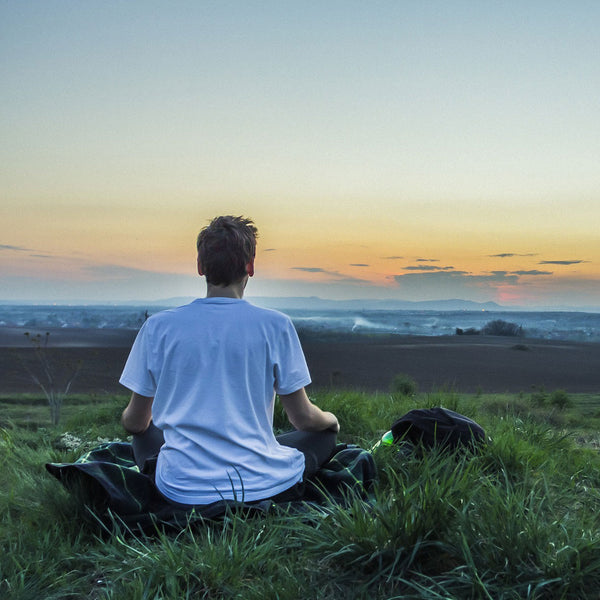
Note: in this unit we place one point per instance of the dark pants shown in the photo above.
(317, 447)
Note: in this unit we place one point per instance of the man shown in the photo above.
(204, 377)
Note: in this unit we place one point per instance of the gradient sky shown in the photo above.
(411, 150)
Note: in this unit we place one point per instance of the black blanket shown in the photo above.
(110, 483)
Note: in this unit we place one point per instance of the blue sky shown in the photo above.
(462, 137)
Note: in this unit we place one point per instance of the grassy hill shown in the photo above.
(518, 520)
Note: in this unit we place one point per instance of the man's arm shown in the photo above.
(137, 415)
(304, 415)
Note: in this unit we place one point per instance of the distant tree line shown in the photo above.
(496, 327)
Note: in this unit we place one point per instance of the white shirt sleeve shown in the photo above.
(137, 374)
(291, 371)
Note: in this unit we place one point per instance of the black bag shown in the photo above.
(437, 427)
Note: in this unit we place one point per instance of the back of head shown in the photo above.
(225, 247)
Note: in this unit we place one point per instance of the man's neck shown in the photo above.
(234, 290)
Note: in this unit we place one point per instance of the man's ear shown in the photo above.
(200, 271)
(250, 268)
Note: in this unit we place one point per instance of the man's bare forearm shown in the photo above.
(137, 415)
(305, 416)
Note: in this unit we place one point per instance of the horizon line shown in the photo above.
(488, 305)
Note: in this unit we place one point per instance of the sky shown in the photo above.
(410, 150)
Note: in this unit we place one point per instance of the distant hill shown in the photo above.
(315, 303)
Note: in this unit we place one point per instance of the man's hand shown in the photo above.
(304, 415)
(137, 415)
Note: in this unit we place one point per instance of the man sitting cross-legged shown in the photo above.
(204, 378)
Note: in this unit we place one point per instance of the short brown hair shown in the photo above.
(225, 247)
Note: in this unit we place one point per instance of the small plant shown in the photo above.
(445, 396)
(404, 385)
(46, 375)
(469, 331)
(560, 399)
(521, 347)
(539, 398)
(500, 327)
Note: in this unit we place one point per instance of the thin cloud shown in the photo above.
(11, 248)
(393, 257)
(562, 262)
(359, 265)
(119, 272)
(352, 280)
(457, 279)
(270, 250)
(532, 272)
(427, 268)
(428, 260)
(336, 275)
(508, 255)
(34, 253)
(310, 269)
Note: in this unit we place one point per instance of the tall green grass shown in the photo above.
(520, 519)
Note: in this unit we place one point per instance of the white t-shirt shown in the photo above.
(213, 368)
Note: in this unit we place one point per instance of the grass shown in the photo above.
(519, 520)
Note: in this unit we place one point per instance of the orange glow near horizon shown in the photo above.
(157, 240)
